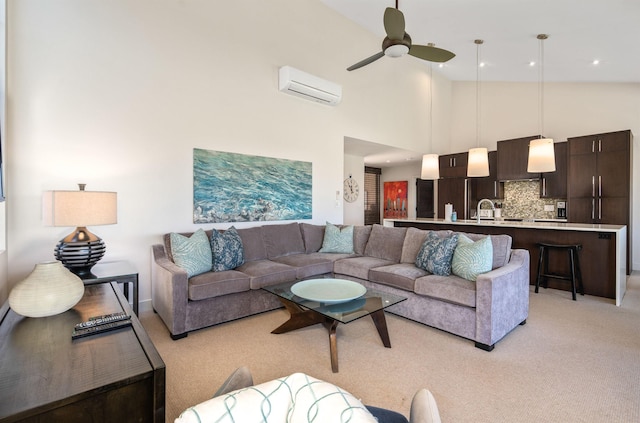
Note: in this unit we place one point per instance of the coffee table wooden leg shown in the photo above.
(300, 318)
(333, 344)
(381, 324)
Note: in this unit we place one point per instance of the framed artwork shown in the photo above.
(230, 187)
(395, 199)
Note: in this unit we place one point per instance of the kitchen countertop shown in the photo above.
(536, 224)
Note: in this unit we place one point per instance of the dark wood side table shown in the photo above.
(122, 272)
(45, 376)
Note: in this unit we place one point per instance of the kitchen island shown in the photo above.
(602, 258)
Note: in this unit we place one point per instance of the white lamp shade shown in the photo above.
(79, 208)
(430, 167)
(478, 162)
(541, 156)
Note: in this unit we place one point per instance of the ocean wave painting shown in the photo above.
(229, 187)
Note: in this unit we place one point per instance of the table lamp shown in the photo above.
(81, 249)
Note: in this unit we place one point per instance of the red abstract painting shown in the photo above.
(395, 199)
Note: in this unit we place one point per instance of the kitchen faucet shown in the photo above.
(480, 203)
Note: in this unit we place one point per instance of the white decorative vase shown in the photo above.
(50, 289)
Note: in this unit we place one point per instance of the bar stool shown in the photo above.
(574, 266)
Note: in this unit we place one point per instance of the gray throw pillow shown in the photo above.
(436, 254)
(227, 250)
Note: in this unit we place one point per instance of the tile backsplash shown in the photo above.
(522, 201)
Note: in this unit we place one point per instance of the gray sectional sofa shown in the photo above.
(384, 258)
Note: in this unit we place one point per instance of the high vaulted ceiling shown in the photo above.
(580, 31)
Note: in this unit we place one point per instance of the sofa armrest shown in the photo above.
(169, 291)
(502, 299)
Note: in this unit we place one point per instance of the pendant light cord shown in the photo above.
(430, 106)
(541, 37)
(478, 42)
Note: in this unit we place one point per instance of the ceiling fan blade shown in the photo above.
(394, 23)
(430, 53)
(366, 61)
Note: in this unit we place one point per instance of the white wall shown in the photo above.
(117, 93)
(354, 212)
(510, 110)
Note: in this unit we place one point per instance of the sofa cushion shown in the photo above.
(472, 258)
(358, 267)
(447, 288)
(501, 248)
(282, 240)
(385, 243)
(360, 238)
(337, 240)
(401, 275)
(307, 265)
(436, 254)
(267, 272)
(226, 248)
(215, 284)
(312, 235)
(193, 253)
(252, 243)
(413, 241)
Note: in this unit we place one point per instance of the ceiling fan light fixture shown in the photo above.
(396, 50)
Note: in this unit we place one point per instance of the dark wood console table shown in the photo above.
(45, 376)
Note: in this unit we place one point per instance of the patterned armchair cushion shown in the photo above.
(193, 253)
(227, 251)
(296, 398)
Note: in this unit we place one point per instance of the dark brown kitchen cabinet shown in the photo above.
(454, 191)
(513, 156)
(554, 184)
(599, 181)
(489, 186)
(453, 165)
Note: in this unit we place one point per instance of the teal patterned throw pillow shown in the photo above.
(193, 254)
(436, 254)
(337, 240)
(472, 258)
(227, 250)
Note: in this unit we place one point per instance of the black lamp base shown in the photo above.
(80, 251)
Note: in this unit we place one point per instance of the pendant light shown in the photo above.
(541, 154)
(430, 162)
(478, 160)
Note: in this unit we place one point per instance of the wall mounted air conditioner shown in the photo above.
(296, 82)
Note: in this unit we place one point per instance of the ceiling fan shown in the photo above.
(397, 42)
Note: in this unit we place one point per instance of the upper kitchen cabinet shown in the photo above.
(599, 169)
(489, 186)
(599, 180)
(554, 184)
(513, 156)
(453, 165)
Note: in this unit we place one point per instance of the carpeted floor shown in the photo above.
(572, 362)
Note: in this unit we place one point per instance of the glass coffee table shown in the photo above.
(331, 302)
